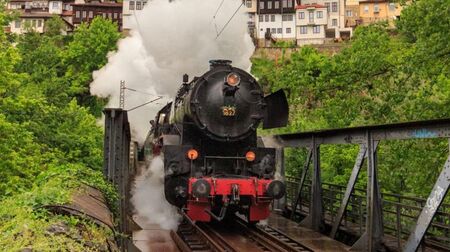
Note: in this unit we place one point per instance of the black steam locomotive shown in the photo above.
(212, 163)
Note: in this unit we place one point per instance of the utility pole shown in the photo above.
(122, 95)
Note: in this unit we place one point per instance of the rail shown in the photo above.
(400, 212)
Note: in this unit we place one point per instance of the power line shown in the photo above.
(138, 91)
(229, 20)
(218, 8)
(159, 97)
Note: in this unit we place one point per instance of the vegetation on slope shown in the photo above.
(380, 77)
(50, 144)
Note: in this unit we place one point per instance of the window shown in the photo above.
(143, 4)
(84, 14)
(104, 15)
(248, 3)
(376, 8)
(277, 4)
(138, 5)
(303, 29)
(348, 13)
(290, 5)
(284, 4)
(301, 15)
(391, 6)
(280, 30)
(269, 5)
(110, 15)
(91, 14)
(366, 8)
(316, 29)
(284, 18)
(55, 5)
(320, 14)
(311, 17)
(39, 24)
(272, 18)
(328, 6)
(273, 31)
(261, 18)
(334, 7)
(115, 15)
(334, 22)
(131, 5)
(33, 23)
(261, 5)
(288, 30)
(17, 24)
(266, 18)
(77, 14)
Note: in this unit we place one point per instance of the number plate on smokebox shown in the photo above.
(228, 111)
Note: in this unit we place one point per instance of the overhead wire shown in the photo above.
(214, 17)
(138, 91)
(218, 8)
(129, 110)
(229, 20)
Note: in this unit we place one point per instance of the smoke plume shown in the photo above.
(167, 40)
(148, 197)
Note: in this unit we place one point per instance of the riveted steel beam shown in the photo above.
(357, 135)
(372, 237)
(302, 183)
(315, 218)
(433, 202)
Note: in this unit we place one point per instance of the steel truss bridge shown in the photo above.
(374, 218)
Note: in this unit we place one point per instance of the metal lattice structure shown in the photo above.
(116, 162)
(367, 138)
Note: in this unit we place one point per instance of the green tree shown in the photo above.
(54, 26)
(87, 53)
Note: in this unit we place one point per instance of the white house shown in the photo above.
(336, 17)
(250, 9)
(275, 21)
(280, 26)
(130, 8)
(311, 23)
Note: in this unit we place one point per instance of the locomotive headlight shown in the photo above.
(276, 189)
(233, 79)
(201, 188)
(192, 154)
(250, 156)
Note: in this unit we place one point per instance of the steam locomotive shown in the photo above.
(212, 163)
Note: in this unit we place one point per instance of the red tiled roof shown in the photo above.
(310, 6)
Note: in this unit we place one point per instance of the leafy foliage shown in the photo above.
(380, 77)
(50, 144)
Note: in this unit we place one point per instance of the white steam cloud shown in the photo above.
(148, 197)
(167, 40)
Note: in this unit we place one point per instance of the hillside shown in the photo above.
(376, 78)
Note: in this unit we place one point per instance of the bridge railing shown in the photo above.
(400, 212)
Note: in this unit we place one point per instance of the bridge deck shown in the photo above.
(313, 240)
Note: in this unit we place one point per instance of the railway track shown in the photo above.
(233, 237)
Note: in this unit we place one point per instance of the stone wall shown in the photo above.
(276, 53)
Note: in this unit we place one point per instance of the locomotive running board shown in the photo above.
(277, 110)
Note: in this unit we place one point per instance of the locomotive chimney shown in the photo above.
(185, 78)
(215, 63)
